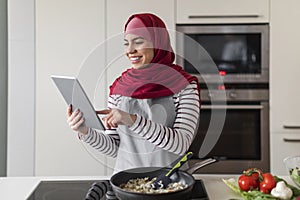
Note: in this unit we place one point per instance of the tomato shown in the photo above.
(267, 184)
(248, 182)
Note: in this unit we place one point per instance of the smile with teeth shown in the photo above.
(135, 59)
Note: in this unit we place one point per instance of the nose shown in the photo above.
(130, 49)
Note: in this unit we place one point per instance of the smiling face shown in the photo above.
(138, 50)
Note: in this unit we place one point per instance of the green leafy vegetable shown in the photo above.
(250, 195)
(257, 195)
(295, 175)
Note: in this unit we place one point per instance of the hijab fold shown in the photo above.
(161, 77)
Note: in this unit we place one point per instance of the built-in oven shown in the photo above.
(232, 65)
(244, 138)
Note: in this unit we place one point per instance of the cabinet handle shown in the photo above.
(291, 126)
(223, 16)
(233, 107)
(291, 140)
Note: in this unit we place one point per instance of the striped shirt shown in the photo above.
(176, 139)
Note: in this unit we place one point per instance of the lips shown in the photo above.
(135, 59)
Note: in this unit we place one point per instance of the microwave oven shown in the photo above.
(238, 53)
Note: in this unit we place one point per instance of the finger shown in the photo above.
(108, 116)
(76, 119)
(74, 115)
(76, 126)
(103, 112)
(106, 124)
(69, 110)
(112, 122)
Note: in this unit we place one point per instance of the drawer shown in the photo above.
(283, 145)
(229, 11)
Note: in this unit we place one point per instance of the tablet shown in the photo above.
(74, 94)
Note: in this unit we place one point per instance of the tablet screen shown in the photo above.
(74, 94)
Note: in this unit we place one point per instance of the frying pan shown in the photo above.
(151, 172)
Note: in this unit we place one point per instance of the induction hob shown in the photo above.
(77, 190)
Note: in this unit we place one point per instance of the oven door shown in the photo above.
(244, 140)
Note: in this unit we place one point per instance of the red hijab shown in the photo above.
(162, 77)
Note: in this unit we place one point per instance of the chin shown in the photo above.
(140, 66)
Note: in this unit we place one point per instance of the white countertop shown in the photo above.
(19, 188)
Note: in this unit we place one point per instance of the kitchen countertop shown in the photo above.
(19, 188)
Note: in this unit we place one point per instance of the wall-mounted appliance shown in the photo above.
(238, 55)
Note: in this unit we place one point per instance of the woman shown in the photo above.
(153, 107)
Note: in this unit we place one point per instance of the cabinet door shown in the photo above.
(214, 11)
(282, 146)
(66, 33)
(285, 66)
(117, 15)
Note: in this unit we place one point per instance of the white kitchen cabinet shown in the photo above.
(284, 81)
(215, 11)
(117, 16)
(285, 65)
(67, 33)
(282, 146)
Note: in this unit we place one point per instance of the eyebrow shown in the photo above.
(135, 39)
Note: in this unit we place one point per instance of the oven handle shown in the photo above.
(223, 16)
(233, 107)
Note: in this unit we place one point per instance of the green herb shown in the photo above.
(295, 175)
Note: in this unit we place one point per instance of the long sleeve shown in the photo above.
(106, 142)
(178, 138)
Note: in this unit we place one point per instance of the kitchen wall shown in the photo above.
(21, 88)
(66, 33)
(3, 86)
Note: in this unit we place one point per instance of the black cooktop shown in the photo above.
(77, 190)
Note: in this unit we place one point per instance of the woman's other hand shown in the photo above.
(115, 117)
(76, 121)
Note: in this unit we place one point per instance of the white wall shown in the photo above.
(64, 43)
(21, 84)
(66, 33)
(3, 86)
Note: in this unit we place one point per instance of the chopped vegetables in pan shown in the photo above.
(143, 185)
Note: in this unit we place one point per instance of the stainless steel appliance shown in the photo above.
(240, 52)
(244, 140)
(234, 81)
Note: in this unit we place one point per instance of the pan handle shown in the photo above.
(201, 164)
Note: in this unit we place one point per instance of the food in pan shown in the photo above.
(143, 185)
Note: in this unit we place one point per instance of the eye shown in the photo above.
(126, 44)
(139, 42)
